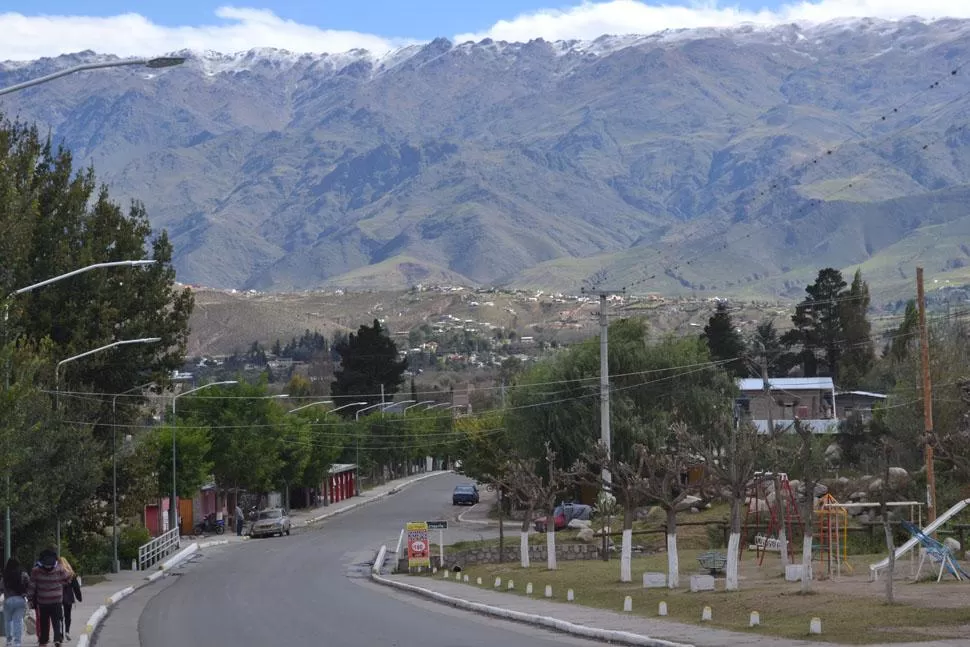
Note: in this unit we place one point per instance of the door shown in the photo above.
(185, 516)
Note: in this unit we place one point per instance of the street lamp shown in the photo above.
(357, 439)
(116, 565)
(151, 63)
(391, 405)
(173, 518)
(435, 406)
(57, 389)
(418, 405)
(312, 404)
(7, 549)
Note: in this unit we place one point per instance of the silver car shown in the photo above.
(269, 522)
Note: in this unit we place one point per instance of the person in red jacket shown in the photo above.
(47, 581)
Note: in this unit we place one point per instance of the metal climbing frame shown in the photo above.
(770, 542)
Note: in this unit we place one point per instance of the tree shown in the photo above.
(731, 450)
(193, 467)
(724, 340)
(768, 349)
(817, 333)
(368, 361)
(858, 349)
(905, 337)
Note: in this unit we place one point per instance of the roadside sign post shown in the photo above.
(419, 550)
(440, 527)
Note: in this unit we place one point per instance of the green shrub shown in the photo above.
(94, 555)
(131, 538)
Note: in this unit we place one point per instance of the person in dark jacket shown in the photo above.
(46, 590)
(14, 587)
(72, 594)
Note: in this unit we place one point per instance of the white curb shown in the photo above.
(95, 619)
(119, 596)
(82, 640)
(603, 635)
(379, 561)
(358, 504)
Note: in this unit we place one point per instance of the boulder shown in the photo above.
(833, 454)
(576, 524)
(688, 502)
(952, 544)
(898, 477)
(858, 497)
(821, 489)
(586, 535)
(876, 485)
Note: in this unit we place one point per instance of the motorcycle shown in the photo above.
(210, 524)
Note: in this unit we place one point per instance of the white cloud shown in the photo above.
(30, 37)
(239, 29)
(593, 19)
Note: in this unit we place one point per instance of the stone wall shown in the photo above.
(490, 555)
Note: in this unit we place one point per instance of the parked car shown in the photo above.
(465, 495)
(563, 514)
(269, 522)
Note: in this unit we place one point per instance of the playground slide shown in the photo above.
(914, 541)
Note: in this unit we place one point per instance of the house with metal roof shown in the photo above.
(811, 400)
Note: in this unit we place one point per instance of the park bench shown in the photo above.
(712, 561)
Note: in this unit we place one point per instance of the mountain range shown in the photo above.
(717, 161)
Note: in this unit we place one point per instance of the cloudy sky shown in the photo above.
(35, 28)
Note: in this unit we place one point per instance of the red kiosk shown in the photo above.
(341, 483)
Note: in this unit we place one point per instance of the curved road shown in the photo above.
(311, 589)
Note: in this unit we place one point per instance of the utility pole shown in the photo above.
(605, 376)
(924, 347)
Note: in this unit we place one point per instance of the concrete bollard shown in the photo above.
(570, 596)
(528, 588)
(628, 603)
(465, 579)
(511, 586)
(548, 591)
(478, 581)
(498, 582)
(706, 614)
(662, 609)
(816, 626)
(755, 619)
(434, 571)
(446, 574)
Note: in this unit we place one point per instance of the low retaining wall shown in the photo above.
(490, 555)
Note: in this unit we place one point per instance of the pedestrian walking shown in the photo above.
(239, 520)
(14, 585)
(46, 590)
(72, 594)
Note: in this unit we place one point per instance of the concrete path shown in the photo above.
(609, 620)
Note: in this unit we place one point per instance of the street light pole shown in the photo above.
(7, 544)
(57, 390)
(312, 404)
(153, 63)
(116, 565)
(418, 405)
(173, 518)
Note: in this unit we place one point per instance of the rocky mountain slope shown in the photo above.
(711, 161)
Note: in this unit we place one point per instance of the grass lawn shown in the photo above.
(847, 616)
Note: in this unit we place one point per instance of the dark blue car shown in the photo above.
(465, 495)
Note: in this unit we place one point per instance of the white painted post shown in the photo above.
(498, 582)
(446, 573)
(706, 614)
(434, 570)
(528, 588)
(570, 596)
(628, 603)
(662, 609)
(441, 546)
(548, 591)
(478, 581)
(465, 579)
(816, 626)
(511, 586)
(755, 619)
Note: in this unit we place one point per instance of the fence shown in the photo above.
(157, 549)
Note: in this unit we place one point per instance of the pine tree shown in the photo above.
(816, 339)
(368, 360)
(768, 348)
(724, 341)
(858, 350)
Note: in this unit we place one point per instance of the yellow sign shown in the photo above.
(419, 548)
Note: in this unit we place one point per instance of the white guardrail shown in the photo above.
(157, 549)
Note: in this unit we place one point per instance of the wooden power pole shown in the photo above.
(924, 347)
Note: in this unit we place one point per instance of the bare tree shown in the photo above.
(731, 450)
(627, 484)
(537, 490)
(886, 525)
(810, 465)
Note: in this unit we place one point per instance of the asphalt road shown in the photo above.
(312, 589)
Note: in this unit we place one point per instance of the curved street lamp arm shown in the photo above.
(168, 61)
